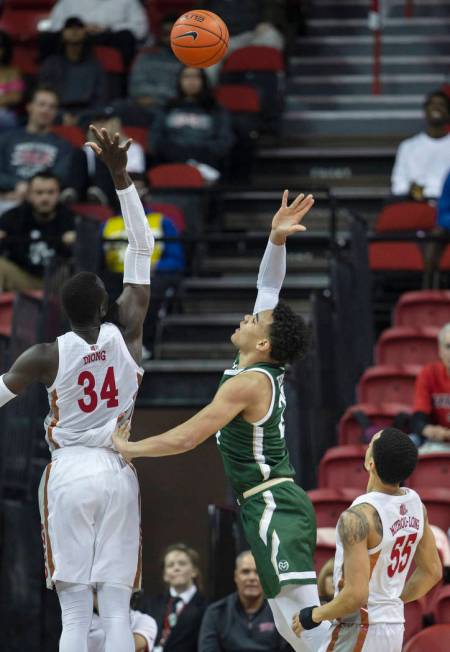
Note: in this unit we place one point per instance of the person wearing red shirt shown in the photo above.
(431, 418)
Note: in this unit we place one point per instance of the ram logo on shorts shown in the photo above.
(283, 565)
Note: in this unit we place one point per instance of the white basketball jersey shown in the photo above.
(96, 385)
(403, 522)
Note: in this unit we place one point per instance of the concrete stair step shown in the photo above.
(192, 350)
(353, 102)
(393, 26)
(362, 44)
(362, 84)
(359, 8)
(304, 262)
(363, 64)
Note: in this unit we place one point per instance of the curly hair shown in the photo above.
(395, 456)
(290, 336)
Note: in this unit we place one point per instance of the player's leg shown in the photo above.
(114, 611)
(77, 604)
(288, 603)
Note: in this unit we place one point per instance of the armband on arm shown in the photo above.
(140, 238)
(5, 394)
(271, 276)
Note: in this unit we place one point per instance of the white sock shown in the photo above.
(114, 611)
(77, 603)
(291, 599)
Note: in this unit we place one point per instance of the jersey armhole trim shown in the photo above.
(125, 350)
(272, 402)
(60, 366)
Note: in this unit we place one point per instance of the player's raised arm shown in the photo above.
(134, 300)
(232, 398)
(272, 270)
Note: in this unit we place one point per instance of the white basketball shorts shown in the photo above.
(90, 514)
(367, 638)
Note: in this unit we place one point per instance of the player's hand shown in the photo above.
(109, 149)
(287, 220)
(120, 440)
(296, 626)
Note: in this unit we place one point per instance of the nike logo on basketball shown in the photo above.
(193, 34)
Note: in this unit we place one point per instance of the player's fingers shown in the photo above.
(284, 199)
(95, 148)
(295, 228)
(116, 139)
(96, 132)
(298, 200)
(126, 146)
(106, 136)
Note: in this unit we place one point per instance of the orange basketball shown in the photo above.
(199, 38)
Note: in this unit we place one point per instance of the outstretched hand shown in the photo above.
(287, 220)
(120, 440)
(109, 149)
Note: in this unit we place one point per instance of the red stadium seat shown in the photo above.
(175, 175)
(238, 98)
(25, 57)
(96, 212)
(402, 345)
(171, 211)
(432, 470)
(380, 416)
(73, 134)
(414, 613)
(254, 57)
(395, 257)
(441, 605)
(437, 502)
(343, 467)
(21, 24)
(109, 59)
(425, 308)
(30, 4)
(6, 312)
(431, 639)
(388, 383)
(330, 503)
(406, 216)
(444, 263)
(139, 134)
(326, 546)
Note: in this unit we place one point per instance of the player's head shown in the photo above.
(444, 345)
(391, 456)
(437, 109)
(246, 577)
(84, 299)
(181, 567)
(278, 335)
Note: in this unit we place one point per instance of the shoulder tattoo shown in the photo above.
(353, 526)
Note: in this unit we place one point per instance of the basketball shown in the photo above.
(199, 38)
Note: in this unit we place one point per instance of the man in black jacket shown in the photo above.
(243, 621)
(33, 233)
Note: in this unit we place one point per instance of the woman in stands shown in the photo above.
(193, 128)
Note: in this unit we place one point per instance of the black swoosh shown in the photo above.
(193, 34)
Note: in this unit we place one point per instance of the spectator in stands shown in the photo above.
(153, 79)
(423, 161)
(250, 22)
(114, 23)
(179, 611)
(167, 266)
(443, 217)
(193, 127)
(30, 149)
(325, 583)
(242, 620)
(431, 418)
(143, 627)
(34, 234)
(75, 73)
(95, 184)
(11, 84)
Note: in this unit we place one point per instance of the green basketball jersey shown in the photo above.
(255, 452)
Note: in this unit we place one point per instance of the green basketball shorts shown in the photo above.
(280, 528)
